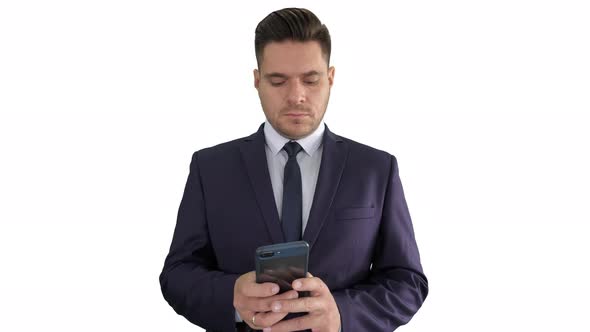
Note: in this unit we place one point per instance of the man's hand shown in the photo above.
(252, 300)
(323, 312)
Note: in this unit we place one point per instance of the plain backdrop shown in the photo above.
(484, 103)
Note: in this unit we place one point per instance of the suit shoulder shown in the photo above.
(361, 150)
(218, 151)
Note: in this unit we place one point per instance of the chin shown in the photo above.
(295, 130)
(298, 133)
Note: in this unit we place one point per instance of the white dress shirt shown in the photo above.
(309, 162)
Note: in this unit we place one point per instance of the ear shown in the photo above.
(256, 78)
(331, 72)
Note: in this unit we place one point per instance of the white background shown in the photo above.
(484, 103)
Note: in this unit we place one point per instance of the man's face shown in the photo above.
(294, 84)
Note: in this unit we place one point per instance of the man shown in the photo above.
(344, 198)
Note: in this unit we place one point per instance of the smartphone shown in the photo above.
(282, 263)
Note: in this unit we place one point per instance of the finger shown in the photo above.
(256, 304)
(263, 319)
(309, 284)
(297, 324)
(252, 289)
(304, 304)
(288, 295)
(268, 319)
(246, 317)
(246, 285)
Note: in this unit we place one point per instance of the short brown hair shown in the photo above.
(298, 24)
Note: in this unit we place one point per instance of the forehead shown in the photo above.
(292, 57)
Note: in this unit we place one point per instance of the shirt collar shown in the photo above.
(309, 143)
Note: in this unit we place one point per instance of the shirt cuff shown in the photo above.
(238, 318)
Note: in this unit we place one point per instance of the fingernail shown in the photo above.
(276, 306)
(294, 295)
(297, 284)
(266, 329)
(275, 289)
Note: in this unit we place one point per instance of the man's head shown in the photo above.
(293, 78)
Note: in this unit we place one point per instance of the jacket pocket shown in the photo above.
(355, 213)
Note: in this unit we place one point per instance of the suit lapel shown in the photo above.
(254, 157)
(335, 152)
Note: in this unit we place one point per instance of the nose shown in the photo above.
(296, 93)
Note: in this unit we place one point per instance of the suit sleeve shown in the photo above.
(190, 282)
(396, 286)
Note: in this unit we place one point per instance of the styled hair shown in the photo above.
(297, 24)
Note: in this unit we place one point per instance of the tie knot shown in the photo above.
(292, 148)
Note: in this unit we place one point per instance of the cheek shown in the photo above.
(318, 99)
(271, 103)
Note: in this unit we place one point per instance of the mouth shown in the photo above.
(296, 114)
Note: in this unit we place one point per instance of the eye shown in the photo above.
(276, 83)
(311, 82)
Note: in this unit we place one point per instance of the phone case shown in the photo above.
(282, 263)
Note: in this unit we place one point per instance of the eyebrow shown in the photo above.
(280, 75)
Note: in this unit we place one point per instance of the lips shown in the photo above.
(297, 112)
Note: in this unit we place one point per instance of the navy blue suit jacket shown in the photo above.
(359, 230)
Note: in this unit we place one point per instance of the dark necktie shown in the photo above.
(292, 197)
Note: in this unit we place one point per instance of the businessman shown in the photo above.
(294, 179)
